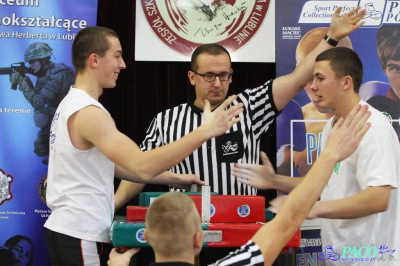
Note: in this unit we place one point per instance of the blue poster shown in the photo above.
(298, 30)
(35, 73)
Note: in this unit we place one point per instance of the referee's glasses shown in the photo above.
(210, 77)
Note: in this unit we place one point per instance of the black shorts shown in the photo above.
(70, 251)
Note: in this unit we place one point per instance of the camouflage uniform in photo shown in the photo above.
(53, 83)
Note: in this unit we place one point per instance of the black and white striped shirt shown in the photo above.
(212, 162)
(248, 254)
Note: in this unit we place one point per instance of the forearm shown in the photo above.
(144, 166)
(126, 191)
(295, 209)
(286, 184)
(367, 202)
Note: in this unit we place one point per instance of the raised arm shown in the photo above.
(343, 141)
(94, 126)
(286, 87)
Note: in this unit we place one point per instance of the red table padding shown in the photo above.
(237, 234)
(234, 209)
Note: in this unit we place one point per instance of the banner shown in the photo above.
(36, 38)
(299, 29)
(170, 30)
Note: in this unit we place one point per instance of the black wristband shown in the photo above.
(330, 41)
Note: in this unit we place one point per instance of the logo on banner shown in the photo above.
(42, 188)
(183, 25)
(358, 254)
(5, 186)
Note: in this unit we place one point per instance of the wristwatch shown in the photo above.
(330, 41)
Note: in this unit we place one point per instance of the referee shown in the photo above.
(211, 74)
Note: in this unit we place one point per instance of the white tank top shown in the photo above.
(80, 183)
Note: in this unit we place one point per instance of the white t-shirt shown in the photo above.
(80, 189)
(374, 163)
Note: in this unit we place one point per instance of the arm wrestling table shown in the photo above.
(233, 221)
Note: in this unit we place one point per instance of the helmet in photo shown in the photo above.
(37, 50)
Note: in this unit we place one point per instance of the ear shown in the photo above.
(231, 76)
(145, 236)
(191, 77)
(198, 242)
(93, 60)
(348, 83)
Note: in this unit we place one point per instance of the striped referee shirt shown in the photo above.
(248, 254)
(213, 161)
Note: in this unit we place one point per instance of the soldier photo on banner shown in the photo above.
(53, 81)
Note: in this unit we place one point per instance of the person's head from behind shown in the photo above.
(208, 61)
(173, 227)
(21, 248)
(338, 74)
(98, 48)
(307, 43)
(388, 47)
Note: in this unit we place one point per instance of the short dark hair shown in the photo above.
(344, 62)
(388, 44)
(210, 48)
(88, 41)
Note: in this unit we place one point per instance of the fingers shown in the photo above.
(358, 115)
(276, 204)
(337, 12)
(349, 118)
(113, 252)
(132, 251)
(243, 181)
(357, 118)
(228, 101)
(233, 110)
(265, 160)
(207, 107)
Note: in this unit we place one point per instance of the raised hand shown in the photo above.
(221, 119)
(257, 176)
(342, 26)
(347, 133)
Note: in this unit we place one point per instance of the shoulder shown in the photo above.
(179, 109)
(60, 68)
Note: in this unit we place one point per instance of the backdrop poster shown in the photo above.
(170, 30)
(298, 141)
(23, 173)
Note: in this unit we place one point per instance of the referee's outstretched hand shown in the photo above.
(222, 118)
